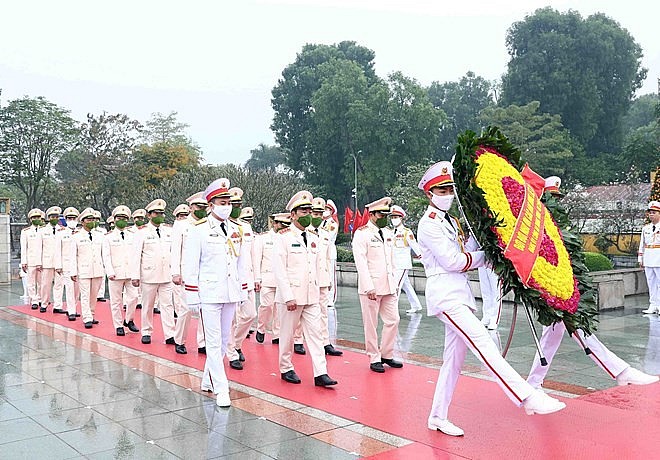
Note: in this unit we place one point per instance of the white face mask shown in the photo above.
(396, 221)
(326, 214)
(442, 202)
(222, 212)
(71, 224)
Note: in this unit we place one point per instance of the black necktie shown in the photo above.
(380, 232)
(54, 230)
(448, 218)
(90, 236)
(122, 235)
(222, 226)
(653, 229)
(158, 231)
(304, 235)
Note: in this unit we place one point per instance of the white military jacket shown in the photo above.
(325, 260)
(64, 250)
(295, 265)
(247, 237)
(48, 236)
(262, 258)
(215, 268)
(446, 260)
(649, 246)
(152, 254)
(374, 260)
(85, 260)
(30, 246)
(180, 231)
(119, 253)
(328, 231)
(404, 242)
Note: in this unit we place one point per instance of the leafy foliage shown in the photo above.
(597, 262)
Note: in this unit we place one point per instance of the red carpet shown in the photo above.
(620, 422)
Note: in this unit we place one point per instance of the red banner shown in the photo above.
(523, 248)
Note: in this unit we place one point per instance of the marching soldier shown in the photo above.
(372, 249)
(446, 258)
(47, 234)
(215, 275)
(86, 265)
(329, 229)
(649, 256)
(151, 271)
(99, 229)
(246, 311)
(404, 242)
(325, 275)
(63, 262)
(264, 278)
(118, 257)
(31, 255)
(297, 295)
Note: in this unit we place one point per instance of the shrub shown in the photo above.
(344, 255)
(597, 262)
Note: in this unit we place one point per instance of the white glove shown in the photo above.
(193, 308)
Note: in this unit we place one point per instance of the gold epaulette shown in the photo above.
(201, 221)
(284, 230)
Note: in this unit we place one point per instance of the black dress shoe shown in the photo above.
(324, 381)
(390, 362)
(35, 306)
(236, 364)
(170, 341)
(259, 337)
(146, 339)
(181, 349)
(291, 377)
(201, 350)
(332, 351)
(95, 321)
(241, 356)
(156, 311)
(131, 326)
(139, 306)
(88, 325)
(42, 309)
(275, 341)
(101, 299)
(299, 349)
(120, 331)
(377, 367)
(58, 310)
(77, 315)
(72, 317)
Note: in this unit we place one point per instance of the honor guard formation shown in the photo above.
(281, 285)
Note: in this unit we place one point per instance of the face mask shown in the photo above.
(305, 221)
(222, 212)
(53, 222)
(326, 214)
(89, 225)
(443, 203)
(71, 224)
(139, 222)
(200, 213)
(381, 222)
(235, 212)
(121, 224)
(316, 221)
(36, 222)
(396, 221)
(158, 220)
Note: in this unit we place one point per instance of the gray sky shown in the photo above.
(215, 62)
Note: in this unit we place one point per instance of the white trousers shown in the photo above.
(406, 286)
(122, 291)
(216, 319)
(385, 306)
(309, 318)
(88, 289)
(34, 284)
(268, 318)
(464, 331)
(491, 295)
(58, 290)
(47, 276)
(243, 318)
(72, 292)
(163, 293)
(550, 341)
(653, 280)
(183, 318)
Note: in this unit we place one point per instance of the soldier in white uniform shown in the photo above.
(87, 265)
(404, 243)
(297, 295)
(264, 278)
(649, 256)
(101, 230)
(215, 275)
(196, 210)
(377, 286)
(151, 271)
(31, 255)
(63, 261)
(446, 258)
(48, 233)
(118, 257)
(325, 266)
(246, 312)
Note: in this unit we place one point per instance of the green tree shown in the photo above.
(34, 134)
(586, 70)
(544, 142)
(461, 102)
(265, 157)
(161, 160)
(641, 113)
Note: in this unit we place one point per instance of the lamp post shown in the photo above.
(355, 190)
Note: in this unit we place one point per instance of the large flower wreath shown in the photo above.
(527, 239)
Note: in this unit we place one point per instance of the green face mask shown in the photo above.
(36, 222)
(121, 224)
(53, 222)
(235, 212)
(200, 213)
(305, 220)
(89, 225)
(158, 220)
(316, 221)
(139, 222)
(381, 222)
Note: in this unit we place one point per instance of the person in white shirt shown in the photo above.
(649, 256)
(31, 255)
(404, 243)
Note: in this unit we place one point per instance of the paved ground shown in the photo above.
(63, 395)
